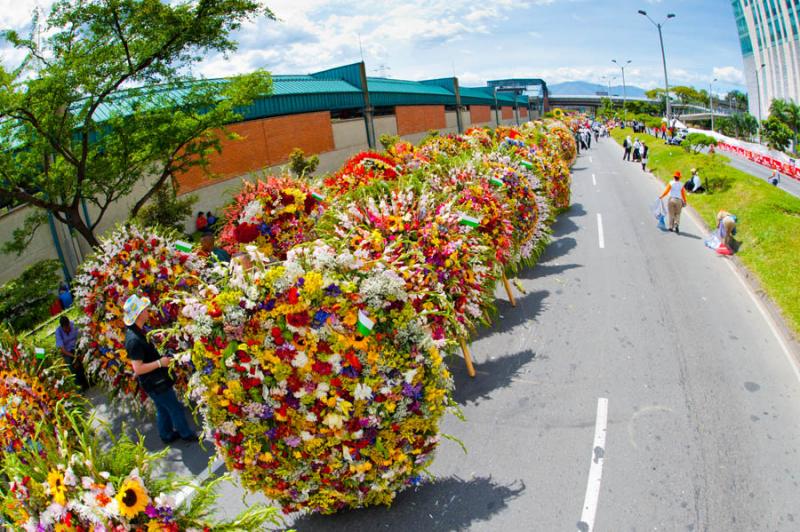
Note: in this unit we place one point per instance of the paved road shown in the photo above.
(788, 184)
(703, 404)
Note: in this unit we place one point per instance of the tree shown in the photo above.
(104, 101)
(166, 209)
(777, 134)
(737, 99)
(788, 113)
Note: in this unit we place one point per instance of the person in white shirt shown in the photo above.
(676, 202)
(695, 185)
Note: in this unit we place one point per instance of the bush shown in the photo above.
(387, 140)
(166, 210)
(25, 301)
(696, 142)
(302, 165)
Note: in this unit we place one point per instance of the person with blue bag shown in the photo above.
(676, 201)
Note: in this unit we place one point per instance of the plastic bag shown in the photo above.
(662, 222)
(713, 241)
(658, 209)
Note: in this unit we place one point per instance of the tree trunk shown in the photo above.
(75, 221)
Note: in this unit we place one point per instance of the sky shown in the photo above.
(557, 40)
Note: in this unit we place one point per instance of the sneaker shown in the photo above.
(174, 436)
(678, 231)
(670, 229)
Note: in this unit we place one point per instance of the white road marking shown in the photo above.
(600, 238)
(589, 511)
(594, 181)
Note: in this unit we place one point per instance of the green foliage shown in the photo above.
(104, 98)
(737, 99)
(740, 125)
(166, 209)
(302, 165)
(696, 142)
(429, 135)
(606, 109)
(387, 140)
(776, 133)
(26, 300)
(787, 113)
(22, 236)
(769, 226)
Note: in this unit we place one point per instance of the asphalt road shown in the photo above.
(703, 403)
(788, 184)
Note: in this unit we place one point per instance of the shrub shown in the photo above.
(696, 142)
(302, 165)
(166, 210)
(25, 301)
(387, 140)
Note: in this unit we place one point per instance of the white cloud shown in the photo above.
(729, 74)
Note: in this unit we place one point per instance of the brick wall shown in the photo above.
(506, 113)
(480, 114)
(265, 142)
(418, 118)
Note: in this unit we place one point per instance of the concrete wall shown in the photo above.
(451, 120)
(384, 125)
(40, 248)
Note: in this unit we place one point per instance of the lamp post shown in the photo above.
(496, 116)
(624, 89)
(758, 91)
(663, 56)
(711, 102)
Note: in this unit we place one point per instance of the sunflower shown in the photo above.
(55, 479)
(132, 498)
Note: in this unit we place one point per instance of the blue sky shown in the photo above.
(558, 40)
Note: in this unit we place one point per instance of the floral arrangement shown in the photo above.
(437, 246)
(30, 389)
(71, 482)
(360, 170)
(130, 260)
(275, 214)
(318, 380)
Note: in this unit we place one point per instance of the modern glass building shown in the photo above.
(770, 40)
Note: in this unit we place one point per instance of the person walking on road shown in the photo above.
(151, 370)
(627, 145)
(676, 201)
(775, 178)
(637, 150)
(645, 151)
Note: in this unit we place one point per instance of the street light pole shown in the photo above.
(711, 102)
(496, 117)
(758, 91)
(663, 57)
(624, 89)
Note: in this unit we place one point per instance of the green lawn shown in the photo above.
(769, 218)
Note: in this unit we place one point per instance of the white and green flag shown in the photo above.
(496, 181)
(365, 324)
(180, 245)
(527, 164)
(39, 352)
(318, 196)
(469, 221)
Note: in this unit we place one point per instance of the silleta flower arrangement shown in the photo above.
(30, 388)
(275, 214)
(130, 260)
(71, 482)
(360, 170)
(318, 381)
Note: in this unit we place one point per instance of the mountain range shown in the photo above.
(584, 88)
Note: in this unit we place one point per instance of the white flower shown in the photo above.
(409, 375)
(251, 212)
(362, 392)
(333, 421)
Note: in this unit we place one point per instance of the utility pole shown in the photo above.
(711, 102)
(624, 89)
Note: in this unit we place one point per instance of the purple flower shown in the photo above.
(319, 319)
(333, 290)
(292, 441)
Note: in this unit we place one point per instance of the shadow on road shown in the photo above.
(492, 375)
(564, 224)
(446, 504)
(529, 306)
(543, 270)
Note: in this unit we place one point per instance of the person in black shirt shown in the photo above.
(151, 370)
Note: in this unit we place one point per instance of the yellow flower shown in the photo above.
(57, 488)
(132, 498)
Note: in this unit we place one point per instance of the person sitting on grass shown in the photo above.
(694, 184)
(211, 220)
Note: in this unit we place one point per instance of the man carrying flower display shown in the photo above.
(66, 340)
(151, 371)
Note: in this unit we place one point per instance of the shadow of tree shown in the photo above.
(445, 504)
(492, 375)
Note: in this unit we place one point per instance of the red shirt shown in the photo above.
(201, 223)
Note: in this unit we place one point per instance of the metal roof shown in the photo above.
(292, 85)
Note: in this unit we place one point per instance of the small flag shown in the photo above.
(318, 196)
(496, 181)
(365, 324)
(180, 245)
(527, 164)
(469, 221)
(39, 352)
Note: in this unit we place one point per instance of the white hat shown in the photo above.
(134, 306)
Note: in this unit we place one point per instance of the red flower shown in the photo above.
(293, 297)
(322, 368)
(297, 319)
(246, 233)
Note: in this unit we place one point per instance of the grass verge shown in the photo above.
(769, 218)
